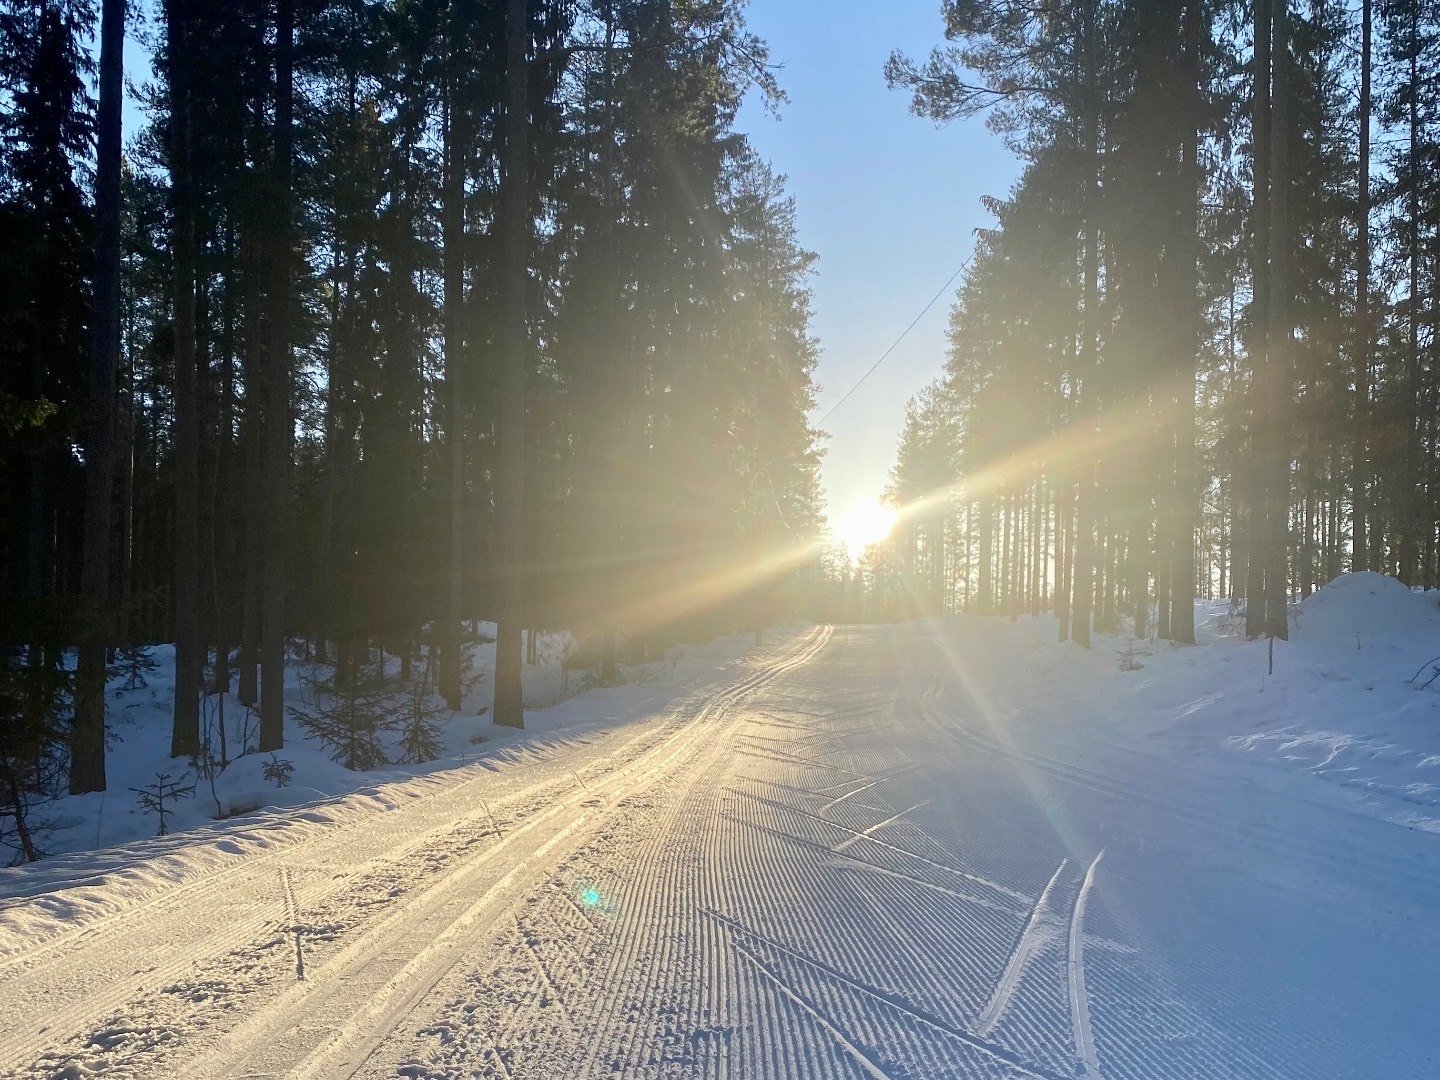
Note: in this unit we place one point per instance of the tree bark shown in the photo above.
(1277, 458)
(250, 493)
(87, 734)
(185, 731)
(1407, 531)
(1082, 604)
(453, 239)
(247, 684)
(1360, 482)
(515, 220)
(985, 572)
(1257, 535)
(1188, 330)
(278, 423)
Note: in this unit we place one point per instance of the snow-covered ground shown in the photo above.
(1346, 705)
(951, 848)
(138, 739)
(103, 850)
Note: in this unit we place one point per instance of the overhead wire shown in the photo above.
(896, 343)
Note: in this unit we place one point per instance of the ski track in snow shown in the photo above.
(1079, 996)
(1026, 946)
(842, 864)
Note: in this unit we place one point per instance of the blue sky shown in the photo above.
(889, 202)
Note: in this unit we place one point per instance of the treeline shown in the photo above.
(1196, 354)
(392, 316)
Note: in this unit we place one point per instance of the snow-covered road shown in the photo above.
(848, 861)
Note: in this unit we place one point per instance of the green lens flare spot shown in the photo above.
(590, 897)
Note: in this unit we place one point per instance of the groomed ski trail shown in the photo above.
(78, 990)
(855, 862)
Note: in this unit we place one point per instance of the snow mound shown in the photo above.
(1369, 605)
(243, 786)
(1342, 703)
(1345, 710)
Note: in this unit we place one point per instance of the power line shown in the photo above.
(898, 340)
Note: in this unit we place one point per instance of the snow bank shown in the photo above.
(90, 838)
(1356, 608)
(1339, 717)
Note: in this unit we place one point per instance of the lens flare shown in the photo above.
(590, 898)
(863, 524)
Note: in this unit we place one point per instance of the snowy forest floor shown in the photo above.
(949, 848)
(561, 705)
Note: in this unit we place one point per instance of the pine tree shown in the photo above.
(185, 737)
(87, 753)
(278, 377)
(350, 718)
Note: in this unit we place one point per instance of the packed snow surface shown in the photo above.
(943, 849)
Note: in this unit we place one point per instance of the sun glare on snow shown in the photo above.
(863, 524)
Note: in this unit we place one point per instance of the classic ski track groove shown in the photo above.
(1079, 997)
(147, 909)
(292, 916)
(72, 1021)
(77, 1017)
(365, 1031)
(247, 861)
(1020, 956)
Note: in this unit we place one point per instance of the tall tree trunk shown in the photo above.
(1407, 538)
(278, 423)
(185, 731)
(453, 239)
(1164, 514)
(1257, 533)
(223, 547)
(1279, 358)
(1082, 603)
(1007, 560)
(1188, 328)
(250, 487)
(87, 734)
(247, 684)
(985, 572)
(1139, 572)
(123, 585)
(328, 586)
(1360, 483)
(515, 220)
(1063, 558)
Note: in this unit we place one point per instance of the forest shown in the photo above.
(1196, 354)
(379, 319)
(434, 641)
(339, 328)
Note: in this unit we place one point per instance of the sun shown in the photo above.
(865, 523)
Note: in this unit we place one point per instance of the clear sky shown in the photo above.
(888, 201)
